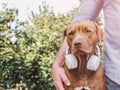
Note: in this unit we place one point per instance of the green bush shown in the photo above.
(48, 30)
(28, 60)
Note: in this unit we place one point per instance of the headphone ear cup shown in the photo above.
(71, 61)
(93, 63)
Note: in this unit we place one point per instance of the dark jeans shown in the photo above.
(112, 85)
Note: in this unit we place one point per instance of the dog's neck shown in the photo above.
(82, 63)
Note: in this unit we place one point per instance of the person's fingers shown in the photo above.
(56, 74)
(60, 88)
(65, 79)
(58, 83)
(59, 78)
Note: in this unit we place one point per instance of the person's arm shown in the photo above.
(89, 11)
(58, 73)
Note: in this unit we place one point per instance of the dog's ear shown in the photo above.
(100, 33)
(64, 35)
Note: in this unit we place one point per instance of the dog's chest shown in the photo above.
(80, 80)
(82, 88)
(82, 84)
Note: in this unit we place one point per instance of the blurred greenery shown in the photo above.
(27, 51)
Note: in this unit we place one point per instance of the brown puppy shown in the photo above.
(82, 38)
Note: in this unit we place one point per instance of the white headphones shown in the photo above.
(93, 62)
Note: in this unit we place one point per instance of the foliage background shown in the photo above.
(27, 51)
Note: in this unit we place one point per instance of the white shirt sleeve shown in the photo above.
(89, 10)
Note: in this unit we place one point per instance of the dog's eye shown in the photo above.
(88, 31)
(71, 33)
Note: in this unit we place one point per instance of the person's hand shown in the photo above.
(59, 77)
(58, 73)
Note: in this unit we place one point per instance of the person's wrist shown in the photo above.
(59, 59)
(55, 66)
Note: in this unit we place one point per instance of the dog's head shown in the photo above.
(82, 37)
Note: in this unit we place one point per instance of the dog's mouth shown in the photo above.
(78, 51)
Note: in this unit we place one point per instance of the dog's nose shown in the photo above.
(78, 42)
